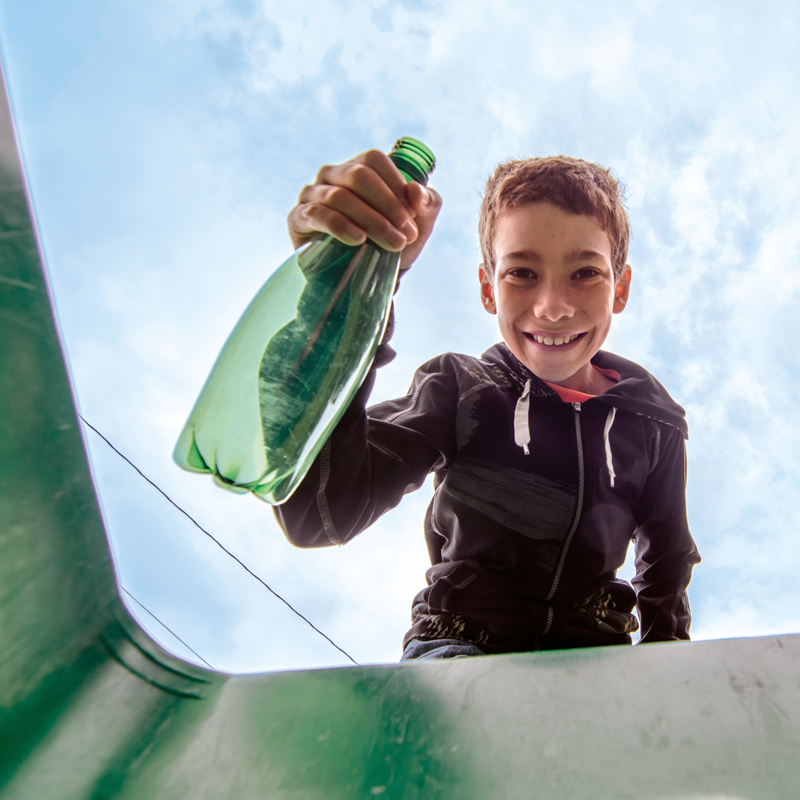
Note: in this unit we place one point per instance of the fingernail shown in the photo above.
(356, 234)
(426, 196)
(409, 229)
(395, 239)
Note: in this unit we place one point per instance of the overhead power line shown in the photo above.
(220, 545)
(166, 627)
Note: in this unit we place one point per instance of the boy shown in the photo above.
(550, 455)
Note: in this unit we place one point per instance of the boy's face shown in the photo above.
(554, 292)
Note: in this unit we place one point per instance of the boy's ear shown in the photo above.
(622, 289)
(487, 291)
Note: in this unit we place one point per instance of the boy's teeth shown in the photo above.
(555, 341)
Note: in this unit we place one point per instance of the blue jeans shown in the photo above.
(419, 650)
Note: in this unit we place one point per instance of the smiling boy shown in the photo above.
(554, 289)
(549, 454)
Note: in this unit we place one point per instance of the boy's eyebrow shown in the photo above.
(522, 255)
(585, 255)
(534, 257)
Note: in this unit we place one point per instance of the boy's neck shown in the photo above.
(591, 382)
(604, 379)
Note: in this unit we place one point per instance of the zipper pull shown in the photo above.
(576, 406)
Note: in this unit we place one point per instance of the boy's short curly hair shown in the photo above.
(569, 183)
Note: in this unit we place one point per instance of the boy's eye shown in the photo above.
(521, 272)
(586, 272)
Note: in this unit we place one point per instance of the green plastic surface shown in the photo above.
(90, 707)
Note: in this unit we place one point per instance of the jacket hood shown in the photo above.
(637, 390)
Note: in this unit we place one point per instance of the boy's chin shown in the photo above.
(568, 369)
(569, 376)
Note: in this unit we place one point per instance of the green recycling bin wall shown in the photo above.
(90, 707)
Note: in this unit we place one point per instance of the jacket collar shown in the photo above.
(637, 390)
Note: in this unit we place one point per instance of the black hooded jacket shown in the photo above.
(520, 542)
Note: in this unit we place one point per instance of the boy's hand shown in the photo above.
(603, 627)
(366, 198)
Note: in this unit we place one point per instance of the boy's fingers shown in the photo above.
(426, 204)
(374, 179)
(388, 172)
(366, 197)
(337, 210)
(308, 219)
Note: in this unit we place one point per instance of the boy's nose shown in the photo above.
(552, 303)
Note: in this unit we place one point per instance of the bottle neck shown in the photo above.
(414, 160)
(408, 171)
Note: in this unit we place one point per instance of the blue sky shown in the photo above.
(165, 142)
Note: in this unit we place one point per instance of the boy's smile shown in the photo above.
(554, 292)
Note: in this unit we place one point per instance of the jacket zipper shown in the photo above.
(576, 410)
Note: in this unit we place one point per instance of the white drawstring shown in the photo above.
(522, 431)
(609, 461)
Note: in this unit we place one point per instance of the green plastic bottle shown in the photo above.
(295, 359)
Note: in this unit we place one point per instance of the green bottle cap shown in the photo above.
(411, 157)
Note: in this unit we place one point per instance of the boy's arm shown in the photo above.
(365, 467)
(371, 460)
(665, 550)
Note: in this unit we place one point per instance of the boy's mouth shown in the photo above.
(553, 340)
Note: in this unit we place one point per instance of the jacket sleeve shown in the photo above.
(665, 550)
(374, 457)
